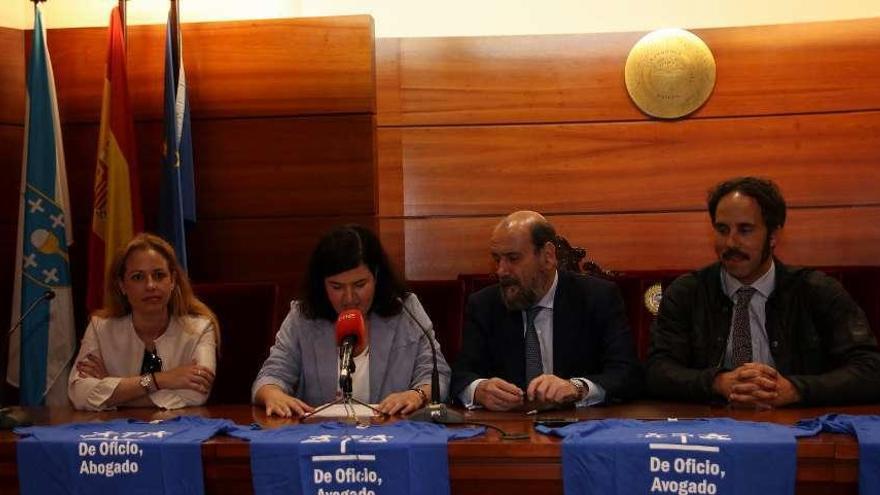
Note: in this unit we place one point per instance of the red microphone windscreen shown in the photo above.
(350, 323)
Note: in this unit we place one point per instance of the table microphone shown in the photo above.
(436, 411)
(12, 418)
(45, 296)
(349, 333)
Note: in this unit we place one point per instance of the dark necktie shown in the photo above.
(534, 367)
(741, 347)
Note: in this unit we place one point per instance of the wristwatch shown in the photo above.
(146, 382)
(421, 395)
(580, 387)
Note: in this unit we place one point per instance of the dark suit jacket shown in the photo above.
(591, 338)
(819, 338)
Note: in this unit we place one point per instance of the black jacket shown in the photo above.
(591, 338)
(819, 338)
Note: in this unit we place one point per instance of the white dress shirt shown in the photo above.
(757, 315)
(360, 379)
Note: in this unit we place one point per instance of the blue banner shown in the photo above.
(42, 347)
(335, 458)
(704, 456)
(867, 432)
(177, 197)
(121, 456)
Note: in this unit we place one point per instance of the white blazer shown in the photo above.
(115, 341)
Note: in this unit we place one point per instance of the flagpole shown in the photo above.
(175, 39)
(123, 15)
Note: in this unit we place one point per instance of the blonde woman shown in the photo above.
(154, 344)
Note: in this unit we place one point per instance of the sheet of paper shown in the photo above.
(342, 411)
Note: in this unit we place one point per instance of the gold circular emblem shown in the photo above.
(652, 298)
(670, 73)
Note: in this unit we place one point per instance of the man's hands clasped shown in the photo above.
(756, 384)
(496, 394)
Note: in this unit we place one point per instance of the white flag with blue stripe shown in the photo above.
(41, 348)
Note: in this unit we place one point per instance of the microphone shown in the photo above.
(12, 418)
(349, 333)
(45, 296)
(436, 411)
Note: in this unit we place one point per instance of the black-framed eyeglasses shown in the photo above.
(152, 363)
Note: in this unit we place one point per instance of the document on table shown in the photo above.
(343, 411)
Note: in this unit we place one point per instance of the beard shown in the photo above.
(767, 250)
(517, 295)
(748, 268)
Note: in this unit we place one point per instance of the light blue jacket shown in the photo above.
(303, 361)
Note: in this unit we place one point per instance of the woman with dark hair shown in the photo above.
(350, 270)
(154, 343)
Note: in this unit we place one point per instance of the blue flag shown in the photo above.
(120, 456)
(177, 197)
(703, 456)
(399, 459)
(41, 348)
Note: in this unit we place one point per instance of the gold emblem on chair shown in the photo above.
(652, 298)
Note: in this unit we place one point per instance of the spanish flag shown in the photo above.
(116, 215)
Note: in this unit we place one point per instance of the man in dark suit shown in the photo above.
(541, 335)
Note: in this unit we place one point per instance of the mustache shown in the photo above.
(508, 281)
(733, 252)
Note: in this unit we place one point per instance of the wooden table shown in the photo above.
(827, 463)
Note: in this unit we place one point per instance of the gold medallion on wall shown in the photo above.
(670, 73)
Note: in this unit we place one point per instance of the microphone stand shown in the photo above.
(11, 418)
(436, 411)
(347, 369)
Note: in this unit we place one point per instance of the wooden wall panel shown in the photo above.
(390, 191)
(265, 250)
(388, 89)
(471, 129)
(391, 236)
(614, 167)
(764, 70)
(12, 104)
(12, 76)
(442, 248)
(11, 142)
(279, 67)
(276, 67)
(7, 267)
(12, 98)
(285, 167)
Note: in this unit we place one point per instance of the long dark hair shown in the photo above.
(342, 249)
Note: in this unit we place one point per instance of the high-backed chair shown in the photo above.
(247, 316)
(443, 300)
